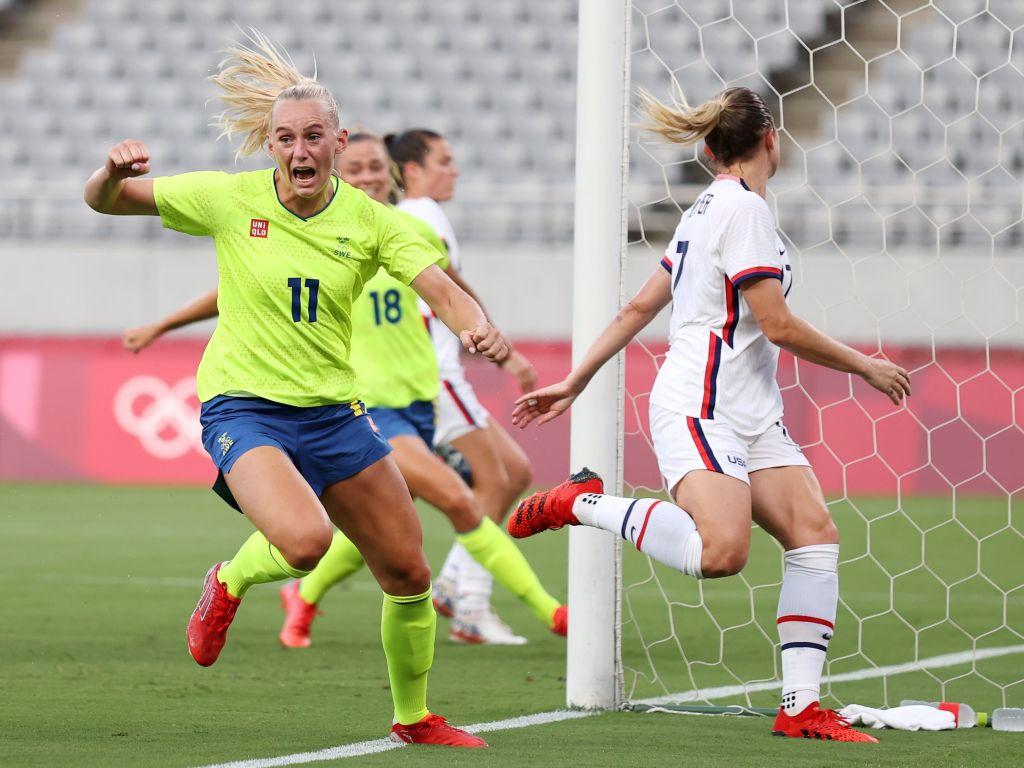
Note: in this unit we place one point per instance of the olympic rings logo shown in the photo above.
(164, 418)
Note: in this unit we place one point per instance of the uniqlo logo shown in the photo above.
(258, 228)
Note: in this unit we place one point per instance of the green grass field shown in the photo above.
(97, 584)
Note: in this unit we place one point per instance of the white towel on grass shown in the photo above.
(913, 717)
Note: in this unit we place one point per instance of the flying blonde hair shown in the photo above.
(731, 123)
(252, 79)
(680, 123)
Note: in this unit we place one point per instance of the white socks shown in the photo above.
(473, 582)
(657, 528)
(806, 621)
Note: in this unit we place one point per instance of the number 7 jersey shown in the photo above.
(719, 364)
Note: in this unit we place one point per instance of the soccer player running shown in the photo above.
(716, 408)
(500, 469)
(396, 369)
(280, 410)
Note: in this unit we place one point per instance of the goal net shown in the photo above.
(899, 200)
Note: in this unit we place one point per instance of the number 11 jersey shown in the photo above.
(286, 283)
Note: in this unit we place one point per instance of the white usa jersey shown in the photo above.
(446, 344)
(719, 364)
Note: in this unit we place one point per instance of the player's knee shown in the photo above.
(304, 551)
(829, 533)
(723, 561)
(412, 578)
(520, 476)
(822, 529)
(460, 507)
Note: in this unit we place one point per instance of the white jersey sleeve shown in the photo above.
(748, 242)
(446, 344)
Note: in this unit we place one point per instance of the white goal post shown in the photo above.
(593, 676)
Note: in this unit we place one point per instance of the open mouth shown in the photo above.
(303, 173)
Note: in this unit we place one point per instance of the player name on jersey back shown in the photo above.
(719, 364)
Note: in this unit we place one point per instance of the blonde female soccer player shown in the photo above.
(500, 468)
(716, 409)
(397, 373)
(280, 410)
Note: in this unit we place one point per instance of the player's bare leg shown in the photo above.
(706, 533)
(788, 504)
(374, 510)
(501, 470)
(293, 532)
(429, 478)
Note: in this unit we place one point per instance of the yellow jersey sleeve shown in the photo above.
(193, 203)
(427, 232)
(400, 251)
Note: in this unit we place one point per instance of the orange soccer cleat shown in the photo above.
(560, 621)
(434, 729)
(817, 723)
(208, 626)
(298, 617)
(550, 510)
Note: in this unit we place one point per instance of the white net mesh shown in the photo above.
(899, 199)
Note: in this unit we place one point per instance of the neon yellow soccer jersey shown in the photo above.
(392, 352)
(286, 284)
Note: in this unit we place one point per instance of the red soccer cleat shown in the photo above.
(434, 729)
(298, 617)
(560, 622)
(817, 723)
(208, 626)
(550, 510)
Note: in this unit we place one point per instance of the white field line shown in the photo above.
(932, 662)
(382, 745)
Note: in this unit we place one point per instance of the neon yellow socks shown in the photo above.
(340, 562)
(257, 562)
(495, 551)
(407, 628)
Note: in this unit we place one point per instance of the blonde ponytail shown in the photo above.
(681, 124)
(731, 124)
(252, 78)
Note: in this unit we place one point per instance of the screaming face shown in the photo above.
(304, 142)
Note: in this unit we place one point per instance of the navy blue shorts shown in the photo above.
(418, 420)
(327, 443)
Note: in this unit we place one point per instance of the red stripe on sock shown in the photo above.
(643, 528)
(809, 619)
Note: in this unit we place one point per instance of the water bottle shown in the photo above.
(1008, 719)
(964, 714)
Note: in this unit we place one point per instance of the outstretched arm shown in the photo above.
(548, 402)
(112, 188)
(516, 363)
(782, 327)
(203, 308)
(460, 313)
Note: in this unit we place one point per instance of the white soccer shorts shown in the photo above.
(684, 443)
(458, 411)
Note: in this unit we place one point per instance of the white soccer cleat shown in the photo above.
(483, 628)
(445, 596)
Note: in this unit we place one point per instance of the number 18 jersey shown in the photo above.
(719, 364)
(391, 347)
